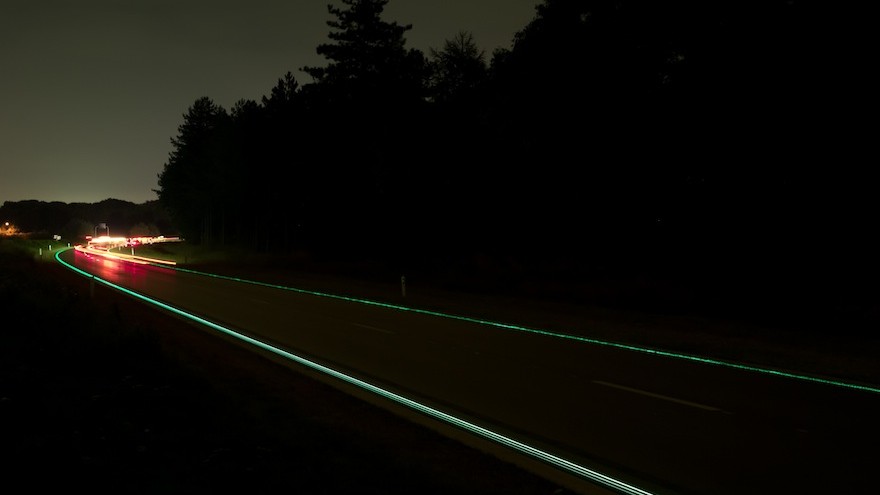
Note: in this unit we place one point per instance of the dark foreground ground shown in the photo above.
(105, 394)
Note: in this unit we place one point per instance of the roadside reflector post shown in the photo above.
(403, 285)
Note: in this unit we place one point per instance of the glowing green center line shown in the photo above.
(518, 328)
(544, 456)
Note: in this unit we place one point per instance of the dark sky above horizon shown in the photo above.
(92, 91)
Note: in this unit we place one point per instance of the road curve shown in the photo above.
(661, 424)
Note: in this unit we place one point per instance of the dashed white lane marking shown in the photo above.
(658, 396)
(368, 327)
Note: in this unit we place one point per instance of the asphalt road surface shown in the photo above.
(662, 424)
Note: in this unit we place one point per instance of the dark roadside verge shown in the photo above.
(103, 393)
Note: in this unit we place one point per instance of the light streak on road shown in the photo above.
(554, 460)
(141, 260)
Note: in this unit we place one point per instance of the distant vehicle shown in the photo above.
(106, 242)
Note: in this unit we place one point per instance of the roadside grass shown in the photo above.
(38, 249)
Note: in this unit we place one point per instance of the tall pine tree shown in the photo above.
(368, 59)
(193, 184)
(365, 105)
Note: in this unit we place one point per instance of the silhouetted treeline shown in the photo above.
(674, 135)
(74, 221)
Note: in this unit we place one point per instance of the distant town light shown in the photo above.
(8, 229)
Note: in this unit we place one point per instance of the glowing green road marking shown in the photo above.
(521, 447)
(628, 347)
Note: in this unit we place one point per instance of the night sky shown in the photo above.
(92, 91)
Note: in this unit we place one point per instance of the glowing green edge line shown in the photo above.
(547, 457)
(657, 352)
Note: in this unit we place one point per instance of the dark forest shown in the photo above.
(707, 142)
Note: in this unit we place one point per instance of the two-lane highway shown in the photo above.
(662, 424)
